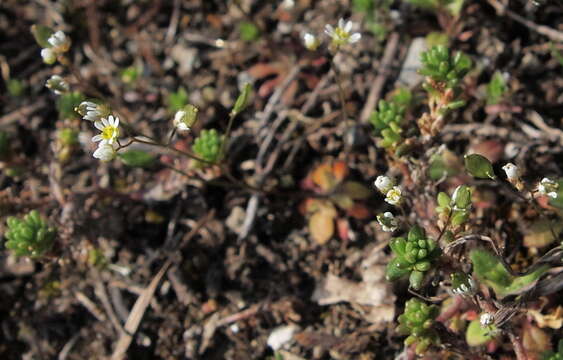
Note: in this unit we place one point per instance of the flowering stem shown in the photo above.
(153, 142)
(344, 113)
(232, 117)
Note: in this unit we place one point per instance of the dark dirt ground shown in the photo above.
(228, 284)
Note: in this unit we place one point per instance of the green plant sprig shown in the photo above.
(417, 322)
(30, 236)
(413, 256)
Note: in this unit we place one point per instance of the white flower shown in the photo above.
(387, 221)
(109, 128)
(384, 183)
(512, 171)
(91, 111)
(393, 196)
(486, 319)
(105, 152)
(548, 187)
(311, 41)
(57, 84)
(178, 123)
(59, 41)
(341, 35)
(49, 56)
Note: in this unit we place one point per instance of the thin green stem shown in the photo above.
(180, 152)
(232, 117)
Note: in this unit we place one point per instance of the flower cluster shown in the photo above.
(387, 221)
(548, 187)
(57, 44)
(107, 124)
(386, 185)
(413, 256)
(463, 284)
(339, 36)
(57, 85)
(417, 322)
(342, 34)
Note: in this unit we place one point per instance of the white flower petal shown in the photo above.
(97, 138)
(355, 38)
(99, 125)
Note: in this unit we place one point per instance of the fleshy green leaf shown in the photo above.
(137, 158)
(41, 33)
(479, 166)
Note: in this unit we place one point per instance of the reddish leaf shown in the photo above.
(359, 211)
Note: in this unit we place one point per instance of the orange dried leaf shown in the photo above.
(359, 211)
(339, 170)
(323, 177)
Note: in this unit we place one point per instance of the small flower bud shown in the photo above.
(60, 43)
(387, 221)
(49, 56)
(513, 176)
(486, 319)
(57, 84)
(184, 119)
(91, 111)
(512, 171)
(384, 183)
(105, 152)
(393, 196)
(548, 187)
(311, 42)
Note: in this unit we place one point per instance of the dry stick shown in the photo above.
(140, 307)
(518, 347)
(253, 203)
(552, 34)
(377, 86)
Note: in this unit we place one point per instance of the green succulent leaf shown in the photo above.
(477, 335)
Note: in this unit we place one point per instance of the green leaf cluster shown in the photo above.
(388, 118)
(442, 68)
(491, 271)
(413, 256)
(30, 236)
(416, 322)
(208, 145)
(457, 206)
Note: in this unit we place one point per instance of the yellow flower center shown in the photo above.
(341, 34)
(110, 132)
